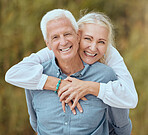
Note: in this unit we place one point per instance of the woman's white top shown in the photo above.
(120, 93)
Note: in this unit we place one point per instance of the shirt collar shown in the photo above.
(77, 74)
(56, 67)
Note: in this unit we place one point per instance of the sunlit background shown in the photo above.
(20, 35)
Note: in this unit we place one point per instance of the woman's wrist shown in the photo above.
(93, 88)
(51, 83)
(63, 83)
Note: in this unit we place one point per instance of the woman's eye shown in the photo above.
(102, 42)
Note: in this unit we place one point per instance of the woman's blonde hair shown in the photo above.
(103, 20)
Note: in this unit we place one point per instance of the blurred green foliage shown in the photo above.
(20, 35)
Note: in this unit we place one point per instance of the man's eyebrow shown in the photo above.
(67, 32)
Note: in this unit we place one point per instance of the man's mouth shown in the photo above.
(66, 49)
(90, 54)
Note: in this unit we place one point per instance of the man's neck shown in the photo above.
(71, 66)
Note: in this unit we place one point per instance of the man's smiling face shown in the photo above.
(62, 39)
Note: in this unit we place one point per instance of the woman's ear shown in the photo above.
(47, 44)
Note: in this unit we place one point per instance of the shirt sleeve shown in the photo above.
(28, 73)
(119, 120)
(31, 111)
(120, 93)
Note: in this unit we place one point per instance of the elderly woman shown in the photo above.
(96, 36)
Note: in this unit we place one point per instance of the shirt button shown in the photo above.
(66, 123)
(80, 75)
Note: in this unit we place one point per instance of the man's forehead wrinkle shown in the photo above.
(63, 21)
(63, 26)
(62, 30)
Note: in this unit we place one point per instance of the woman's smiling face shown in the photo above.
(93, 43)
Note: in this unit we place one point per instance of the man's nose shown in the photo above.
(63, 41)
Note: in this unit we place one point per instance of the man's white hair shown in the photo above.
(56, 14)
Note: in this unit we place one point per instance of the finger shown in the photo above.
(62, 90)
(73, 110)
(69, 79)
(84, 98)
(64, 95)
(70, 97)
(75, 102)
(79, 107)
(63, 105)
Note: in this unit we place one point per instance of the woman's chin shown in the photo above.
(88, 61)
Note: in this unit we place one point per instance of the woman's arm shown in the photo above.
(28, 73)
(120, 93)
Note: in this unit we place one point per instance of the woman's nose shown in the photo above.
(93, 47)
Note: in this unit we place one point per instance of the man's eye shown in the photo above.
(67, 34)
(54, 37)
(87, 38)
(102, 42)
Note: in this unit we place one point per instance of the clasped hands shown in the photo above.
(72, 92)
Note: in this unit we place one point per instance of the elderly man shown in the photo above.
(44, 107)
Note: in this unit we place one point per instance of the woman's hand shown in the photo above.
(70, 105)
(77, 89)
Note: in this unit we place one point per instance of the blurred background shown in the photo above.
(20, 35)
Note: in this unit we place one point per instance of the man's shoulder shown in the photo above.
(46, 64)
(50, 68)
(100, 66)
(103, 72)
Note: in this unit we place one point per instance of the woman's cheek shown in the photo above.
(102, 49)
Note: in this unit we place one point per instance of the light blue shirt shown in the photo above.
(45, 109)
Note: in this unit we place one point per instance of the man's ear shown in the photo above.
(47, 44)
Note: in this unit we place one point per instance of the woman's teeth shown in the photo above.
(90, 54)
